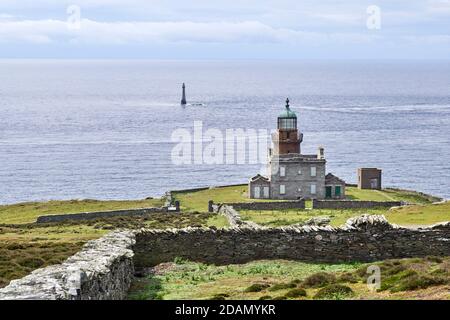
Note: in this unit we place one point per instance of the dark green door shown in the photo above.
(337, 191)
(327, 192)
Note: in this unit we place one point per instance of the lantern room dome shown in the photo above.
(288, 113)
(287, 120)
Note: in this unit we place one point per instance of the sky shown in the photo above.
(219, 29)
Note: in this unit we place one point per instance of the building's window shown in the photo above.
(282, 189)
(287, 124)
(266, 192)
(313, 189)
(313, 171)
(257, 193)
(282, 171)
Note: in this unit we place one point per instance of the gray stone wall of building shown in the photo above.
(353, 204)
(366, 238)
(293, 180)
(268, 205)
(102, 270)
(365, 175)
(98, 215)
(261, 184)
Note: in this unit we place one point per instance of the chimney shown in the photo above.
(320, 153)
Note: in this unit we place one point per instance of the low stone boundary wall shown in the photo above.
(234, 218)
(210, 187)
(364, 239)
(102, 270)
(266, 205)
(98, 215)
(353, 204)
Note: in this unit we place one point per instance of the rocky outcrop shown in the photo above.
(103, 269)
(318, 221)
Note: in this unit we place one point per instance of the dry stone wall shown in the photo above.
(234, 218)
(366, 238)
(266, 205)
(98, 215)
(353, 204)
(102, 270)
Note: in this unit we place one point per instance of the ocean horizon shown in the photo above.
(101, 129)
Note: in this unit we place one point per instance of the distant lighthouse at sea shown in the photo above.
(183, 95)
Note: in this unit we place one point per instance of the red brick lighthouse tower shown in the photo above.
(287, 139)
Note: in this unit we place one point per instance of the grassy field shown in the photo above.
(414, 215)
(25, 247)
(422, 213)
(198, 200)
(27, 212)
(353, 193)
(426, 278)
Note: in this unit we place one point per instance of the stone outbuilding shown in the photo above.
(334, 187)
(259, 187)
(369, 178)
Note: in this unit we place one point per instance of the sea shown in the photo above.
(104, 129)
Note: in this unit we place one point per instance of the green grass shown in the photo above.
(25, 247)
(19, 259)
(27, 212)
(420, 214)
(277, 218)
(191, 280)
(198, 200)
(218, 221)
(389, 194)
(417, 278)
(354, 193)
(414, 215)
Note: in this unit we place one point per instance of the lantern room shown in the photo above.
(288, 119)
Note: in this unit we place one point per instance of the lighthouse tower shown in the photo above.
(183, 95)
(287, 139)
(293, 175)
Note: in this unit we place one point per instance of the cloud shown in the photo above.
(269, 28)
(122, 33)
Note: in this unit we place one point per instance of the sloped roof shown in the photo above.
(332, 179)
(259, 177)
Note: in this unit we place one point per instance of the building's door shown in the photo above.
(266, 192)
(374, 183)
(257, 192)
(328, 192)
(337, 191)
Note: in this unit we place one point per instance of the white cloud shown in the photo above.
(257, 27)
(94, 32)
